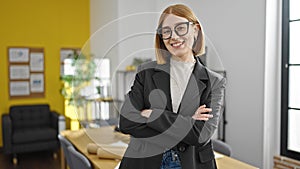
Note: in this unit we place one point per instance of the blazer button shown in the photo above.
(181, 148)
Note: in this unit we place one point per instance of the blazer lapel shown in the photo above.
(192, 96)
(162, 81)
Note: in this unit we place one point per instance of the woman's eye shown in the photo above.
(166, 32)
(180, 28)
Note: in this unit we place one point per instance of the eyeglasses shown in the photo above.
(180, 29)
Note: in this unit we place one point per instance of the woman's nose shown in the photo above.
(174, 35)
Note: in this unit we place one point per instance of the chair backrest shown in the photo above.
(30, 116)
(221, 147)
(79, 161)
(65, 144)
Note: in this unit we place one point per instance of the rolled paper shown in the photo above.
(111, 152)
(92, 148)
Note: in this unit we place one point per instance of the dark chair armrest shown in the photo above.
(7, 133)
(54, 120)
(221, 147)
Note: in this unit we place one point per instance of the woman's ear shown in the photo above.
(196, 31)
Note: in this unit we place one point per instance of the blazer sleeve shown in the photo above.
(185, 128)
(131, 122)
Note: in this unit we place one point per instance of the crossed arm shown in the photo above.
(145, 123)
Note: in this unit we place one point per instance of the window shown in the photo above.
(290, 110)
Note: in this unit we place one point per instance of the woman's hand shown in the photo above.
(202, 113)
(146, 113)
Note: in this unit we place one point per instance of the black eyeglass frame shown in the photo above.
(159, 30)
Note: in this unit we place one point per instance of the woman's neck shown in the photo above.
(189, 58)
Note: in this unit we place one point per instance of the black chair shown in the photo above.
(64, 143)
(79, 161)
(221, 147)
(29, 128)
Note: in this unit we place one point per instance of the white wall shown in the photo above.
(136, 30)
(236, 28)
(104, 30)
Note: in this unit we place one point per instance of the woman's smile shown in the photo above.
(177, 44)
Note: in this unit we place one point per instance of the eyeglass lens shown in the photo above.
(181, 29)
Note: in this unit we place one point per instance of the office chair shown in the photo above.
(65, 144)
(221, 147)
(79, 161)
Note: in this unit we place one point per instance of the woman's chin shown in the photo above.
(179, 54)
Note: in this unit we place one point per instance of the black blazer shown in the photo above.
(164, 130)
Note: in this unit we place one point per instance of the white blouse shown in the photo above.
(180, 73)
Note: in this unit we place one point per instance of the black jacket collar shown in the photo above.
(199, 75)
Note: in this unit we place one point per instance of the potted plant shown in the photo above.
(74, 84)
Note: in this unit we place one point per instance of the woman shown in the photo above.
(174, 105)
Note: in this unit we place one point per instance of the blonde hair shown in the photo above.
(182, 11)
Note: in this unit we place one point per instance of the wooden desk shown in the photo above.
(226, 162)
(106, 135)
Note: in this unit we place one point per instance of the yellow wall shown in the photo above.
(51, 24)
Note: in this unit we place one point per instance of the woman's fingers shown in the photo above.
(202, 106)
(202, 113)
(204, 117)
(146, 113)
(203, 110)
